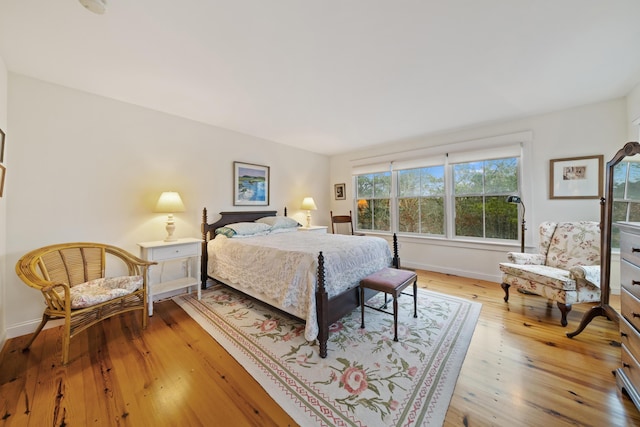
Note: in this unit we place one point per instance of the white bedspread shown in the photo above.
(283, 267)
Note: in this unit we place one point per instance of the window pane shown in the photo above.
(634, 212)
(467, 178)
(469, 216)
(409, 215)
(619, 179)
(499, 218)
(432, 215)
(382, 185)
(364, 218)
(381, 218)
(501, 176)
(408, 182)
(633, 187)
(432, 181)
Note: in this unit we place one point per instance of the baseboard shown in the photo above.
(454, 272)
(28, 327)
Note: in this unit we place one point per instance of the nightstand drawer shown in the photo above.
(176, 251)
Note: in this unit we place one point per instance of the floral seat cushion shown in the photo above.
(542, 274)
(103, 289)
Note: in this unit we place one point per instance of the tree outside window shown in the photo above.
(480, 192)
(373, 192)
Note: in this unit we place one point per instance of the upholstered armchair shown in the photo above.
(566, 270)
(72, 280)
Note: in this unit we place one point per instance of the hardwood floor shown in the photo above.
(520, 370)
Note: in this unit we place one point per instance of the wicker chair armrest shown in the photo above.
(524, 258)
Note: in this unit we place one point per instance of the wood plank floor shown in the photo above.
(520, 370)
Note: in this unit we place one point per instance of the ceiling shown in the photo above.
(331, 76)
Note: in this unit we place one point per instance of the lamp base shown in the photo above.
(171, 227)
(308, 219)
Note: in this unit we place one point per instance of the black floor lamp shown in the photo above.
(517, 200)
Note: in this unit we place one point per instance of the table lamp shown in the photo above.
(309, 205)
(169, 203)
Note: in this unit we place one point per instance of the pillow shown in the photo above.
(225, 231)
(278, 222)
(249, 228)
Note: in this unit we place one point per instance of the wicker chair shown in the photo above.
(71, 277)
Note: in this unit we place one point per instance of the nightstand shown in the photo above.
(186, 251)
(314, 228)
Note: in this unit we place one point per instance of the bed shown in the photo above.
(317, 274)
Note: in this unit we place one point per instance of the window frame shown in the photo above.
(484, 149)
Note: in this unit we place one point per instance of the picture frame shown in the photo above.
(340, 191)
(2, 135)
(250, 184)
(3, 172)
(576, 177)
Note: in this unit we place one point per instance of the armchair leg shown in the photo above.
(506, 286)
(45, 319)
(564, 309)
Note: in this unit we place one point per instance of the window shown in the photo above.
(373, 192)
(480, 189)
(449, 195)
(626, 196)
(421, 195)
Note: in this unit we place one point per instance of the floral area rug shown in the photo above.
(367, 379)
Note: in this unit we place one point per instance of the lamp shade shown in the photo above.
(170, 202)
(308, 204)
(514, 199)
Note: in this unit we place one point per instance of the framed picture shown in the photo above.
(1, 146)
(250, 184)
(3, 172)
(576, 177)
(339, 190)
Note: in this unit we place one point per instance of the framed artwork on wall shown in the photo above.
(339, 190)
(576, 177)
(250, 184)
(3, 172)
(2, 135)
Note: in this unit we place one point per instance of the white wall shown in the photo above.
(87, 168)
(592, 129)
(3, 208)
(633, 113)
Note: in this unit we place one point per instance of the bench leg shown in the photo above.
(415, 298)
(395, 318)
(362, 306)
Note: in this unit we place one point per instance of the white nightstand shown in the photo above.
(314, 228)
(183, 250)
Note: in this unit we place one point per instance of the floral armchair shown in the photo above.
(567, 269)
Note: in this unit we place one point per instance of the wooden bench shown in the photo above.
(392, 282)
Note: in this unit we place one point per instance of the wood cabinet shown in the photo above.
(628, 376)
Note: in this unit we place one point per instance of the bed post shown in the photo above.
(396, 258)
(205, 258)
(322, 307)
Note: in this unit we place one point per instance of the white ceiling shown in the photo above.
(331, 76)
